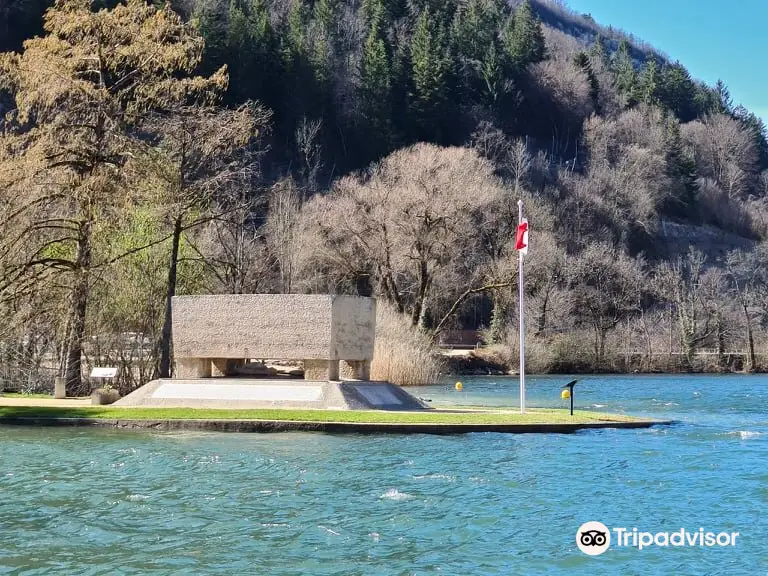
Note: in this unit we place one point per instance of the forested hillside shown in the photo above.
(373, 147)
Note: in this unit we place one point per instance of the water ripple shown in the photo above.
(107, 502)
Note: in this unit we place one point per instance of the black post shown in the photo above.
(570, 386)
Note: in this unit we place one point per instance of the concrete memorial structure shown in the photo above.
(215, 336)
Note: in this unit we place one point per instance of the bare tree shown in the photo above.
(605, 285)
(682, 284)
(518, 160)
(724, 151)
(234, 252)
(418, 214)
(281, 231)
(490, 142)
(201, 151)
(747, 274)
(308, 145)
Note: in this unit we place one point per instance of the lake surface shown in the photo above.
(76, 501)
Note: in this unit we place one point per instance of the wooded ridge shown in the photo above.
(373, 147)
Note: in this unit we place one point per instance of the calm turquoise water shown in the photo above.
(103, 502)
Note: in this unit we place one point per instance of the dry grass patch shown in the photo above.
(403, 354)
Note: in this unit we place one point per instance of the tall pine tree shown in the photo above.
(429, 69)
(648, 83)
(581, 61)
(376, 78)
(524, 39)
(626, 76)
(678, 92)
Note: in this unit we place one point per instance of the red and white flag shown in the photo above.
(521, 242)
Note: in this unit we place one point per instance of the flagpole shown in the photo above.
(521, 292)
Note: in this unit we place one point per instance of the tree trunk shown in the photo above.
(601, 357)
(417, 317)
(466, 294)
(720, 331)
(688, 348)
(78, 309)
(750, 341)
(596, 348)
(165, 342)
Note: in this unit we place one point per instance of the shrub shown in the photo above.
(403, 354)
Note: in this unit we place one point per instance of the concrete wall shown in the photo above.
(280, 326)
(353, 328)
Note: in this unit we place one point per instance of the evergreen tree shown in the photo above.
(212, 23)
(376, 76)
(294, 45)
(524, 39)
(402, 84)
(678, 91)
(681, 168)
(430, 68)
(474, 28)
(325, 15)
(492, 73)
(324, 26)
(321, 58)
(706, 100)
(648, 83)
(581, 61)
(757, 129)
(598, 51)
(724, 100)
(250, 52)
(626, 76)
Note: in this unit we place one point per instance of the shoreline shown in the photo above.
(445, 420)
(467, 363)
(265, 426)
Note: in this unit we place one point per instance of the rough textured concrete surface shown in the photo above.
(283, 393)
(210, 330)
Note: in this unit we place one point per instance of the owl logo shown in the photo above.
(593, 538)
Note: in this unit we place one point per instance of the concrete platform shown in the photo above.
(244, 393)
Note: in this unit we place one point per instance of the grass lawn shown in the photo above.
(22, 395)
(443, 416)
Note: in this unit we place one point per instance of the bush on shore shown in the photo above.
(403, 355)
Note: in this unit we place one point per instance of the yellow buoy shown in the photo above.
(565, 394)
(459, 386)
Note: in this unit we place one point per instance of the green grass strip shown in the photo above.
(443, 416)
(24, 395)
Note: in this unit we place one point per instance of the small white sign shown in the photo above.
(103, 372)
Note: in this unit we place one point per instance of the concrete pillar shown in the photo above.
(60, 387)
(225, 366)
(321, 370)
(333, 370)
(315, 369)
(361, 369)
(191, 368)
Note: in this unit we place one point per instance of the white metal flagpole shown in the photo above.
(521, 292)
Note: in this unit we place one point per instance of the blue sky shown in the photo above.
(712, 38)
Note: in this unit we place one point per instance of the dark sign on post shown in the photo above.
(568, 392)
